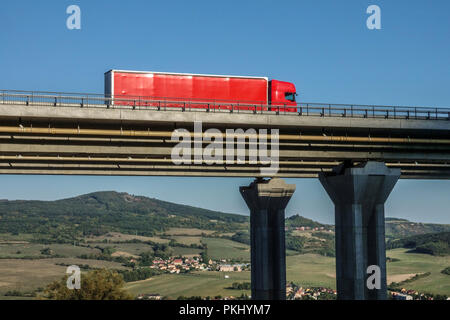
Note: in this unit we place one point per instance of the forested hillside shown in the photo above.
(101, 212)
(437, 244)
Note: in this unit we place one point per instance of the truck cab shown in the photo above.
(282, 96)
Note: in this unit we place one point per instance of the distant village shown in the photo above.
(308, 229)
(404, 294)
(176, 265)
(182, 265)
(294, 292)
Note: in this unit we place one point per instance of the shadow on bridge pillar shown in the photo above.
(267, 200)
(359, 194)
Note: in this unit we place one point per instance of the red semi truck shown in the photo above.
(199, 90)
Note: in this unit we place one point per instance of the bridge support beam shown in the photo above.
(267, 200)
(359, 194)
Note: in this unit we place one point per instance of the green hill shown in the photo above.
(437, 244)
(101, 212)
(97, 213)
(401, 228)
(299, 221)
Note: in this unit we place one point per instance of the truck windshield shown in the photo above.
(290, 96)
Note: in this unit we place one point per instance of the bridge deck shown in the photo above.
(41, 136)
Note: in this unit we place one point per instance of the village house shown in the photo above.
(226, 268)
(230, 267)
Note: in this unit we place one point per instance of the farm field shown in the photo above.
(28, 275)
(15, 237)
(186, 232)
(207, 283)
(121, 237)
(130, 248)
(227, 249)
(307, 270)
(311, 270)
(436, 282)
(186, 252)
(188, 240)
(21, 250)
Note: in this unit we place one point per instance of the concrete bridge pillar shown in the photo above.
(359, 194)
(267, 200)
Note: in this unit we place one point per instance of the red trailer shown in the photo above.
(199, 91)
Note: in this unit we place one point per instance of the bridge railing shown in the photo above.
(82, 100)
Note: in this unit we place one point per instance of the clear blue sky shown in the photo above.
(322, 46)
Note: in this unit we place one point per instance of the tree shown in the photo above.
(162, 250)
(204, 254)
(95, 285)
(446, 271)
(146, 258)
(47, 251)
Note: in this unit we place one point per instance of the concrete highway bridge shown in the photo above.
(357, 152)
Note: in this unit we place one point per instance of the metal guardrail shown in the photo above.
(82, 100)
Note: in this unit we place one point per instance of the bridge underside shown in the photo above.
(46, 140)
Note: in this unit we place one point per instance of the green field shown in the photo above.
(180, 251)
(130, 248)
(28, 275)
(121, 237)
(34, 250)
(409, 263)
(188, 240)
(186, 232)
(207, 283)
(307, 270)
(227, 249)
(311, 270)
(15, 237)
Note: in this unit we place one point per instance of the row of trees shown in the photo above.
(138, 274)
(240, 286)
(437, 244)
(160, 250)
